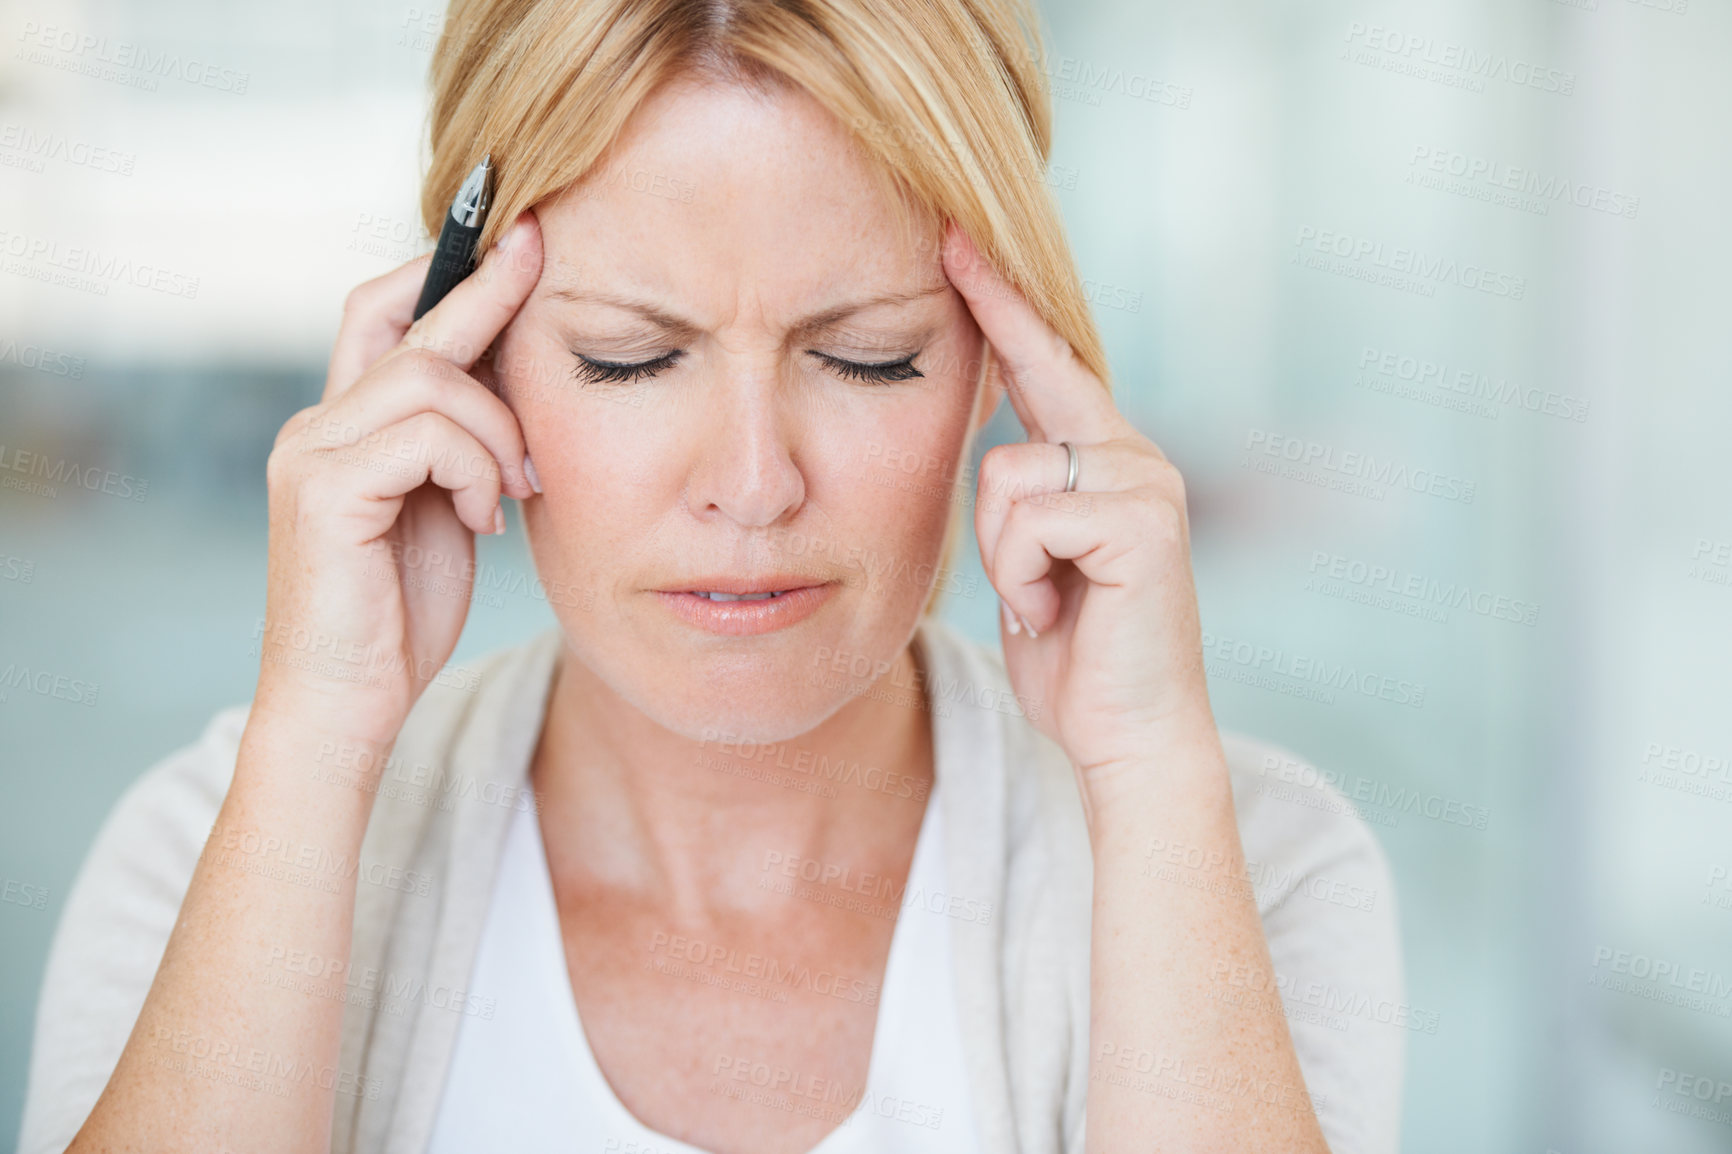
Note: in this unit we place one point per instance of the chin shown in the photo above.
(771, 688)
(762, 709)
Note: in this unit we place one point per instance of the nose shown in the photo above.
(745, 467)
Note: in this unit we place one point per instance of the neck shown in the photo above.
(635, 811)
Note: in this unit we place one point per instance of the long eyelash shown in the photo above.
(610, 372)
(902, 370)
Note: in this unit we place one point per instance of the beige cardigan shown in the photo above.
(1016, 843)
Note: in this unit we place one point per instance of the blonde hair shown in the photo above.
(947, 97)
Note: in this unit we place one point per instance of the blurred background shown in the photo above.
(1428, 300)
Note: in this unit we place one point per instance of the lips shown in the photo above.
(739, 596)
(742, 607)
(721, 588)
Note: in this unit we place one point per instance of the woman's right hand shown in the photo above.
(377, 492)
(405, 456)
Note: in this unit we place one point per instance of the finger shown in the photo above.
(1055, 394)
(419, 381)
(1110, 537)
(426, 448)
(376, 314)
(1037, 471)
(462, 326)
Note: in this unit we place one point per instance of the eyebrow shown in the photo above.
(675, 324)
(656, 316)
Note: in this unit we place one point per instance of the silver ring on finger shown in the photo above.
(1070, 477)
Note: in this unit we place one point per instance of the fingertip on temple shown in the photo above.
(519, 247)
(960, 255)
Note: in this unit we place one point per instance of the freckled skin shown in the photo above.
(742, 215)
(655, 830)
(747, 449)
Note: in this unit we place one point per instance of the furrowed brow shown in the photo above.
(673, 324)
(657, 316)
(823, 320)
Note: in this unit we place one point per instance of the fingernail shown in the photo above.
(955, 256)
(1012, 622)
(529, 472)
(498, 520)
(505, 237)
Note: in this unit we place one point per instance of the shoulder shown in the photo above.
(1321, 881)
(1293, 821)
(471, 695)
(1326, 896)
(123, 905)
(1295, 824)
(1290, 814)
(1004, 766)
(116, 922)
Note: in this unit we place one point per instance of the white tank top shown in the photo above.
(525, 1080)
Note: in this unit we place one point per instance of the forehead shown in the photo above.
(713, 186)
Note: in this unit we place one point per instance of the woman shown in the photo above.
(750, 853)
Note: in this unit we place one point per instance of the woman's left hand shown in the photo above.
(1108, 643)
(1115, 659)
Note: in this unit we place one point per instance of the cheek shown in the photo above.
(582, 442)
(884, 471)
(579, 434)
(913, 443)
(904, 466)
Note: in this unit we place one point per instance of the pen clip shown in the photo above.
(469, 209)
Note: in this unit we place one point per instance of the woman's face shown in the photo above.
(737, 250)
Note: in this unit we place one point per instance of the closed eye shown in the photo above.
(605, 372)
(881, 371)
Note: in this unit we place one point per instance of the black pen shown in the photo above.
(454, 255)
